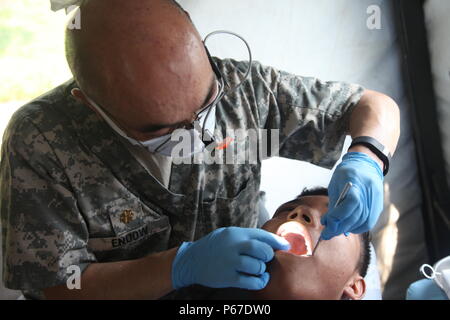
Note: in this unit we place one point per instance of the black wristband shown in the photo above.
(376, 147)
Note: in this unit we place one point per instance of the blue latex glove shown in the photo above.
(227, 257)
(360, 209)
(425, 289)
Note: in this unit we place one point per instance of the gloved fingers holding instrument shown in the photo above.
(227, 257)
(359, 210)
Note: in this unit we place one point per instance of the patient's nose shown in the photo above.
(305, 217)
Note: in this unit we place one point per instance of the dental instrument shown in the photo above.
(344, 192)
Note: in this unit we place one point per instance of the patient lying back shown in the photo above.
(336, 271)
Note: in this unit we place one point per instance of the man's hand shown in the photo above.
(377, 116)
(227, 257)
(360, 209)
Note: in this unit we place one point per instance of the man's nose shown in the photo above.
(305, 217)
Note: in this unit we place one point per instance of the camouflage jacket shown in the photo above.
(71, 193)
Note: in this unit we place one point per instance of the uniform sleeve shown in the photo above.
(312, 115)
(43, 232)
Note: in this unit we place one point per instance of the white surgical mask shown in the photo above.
(440, 273)
(179, 144)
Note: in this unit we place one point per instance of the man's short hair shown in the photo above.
(364, 260)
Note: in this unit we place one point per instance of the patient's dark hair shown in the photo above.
(364, 260)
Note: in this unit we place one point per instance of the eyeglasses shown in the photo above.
(221, 83)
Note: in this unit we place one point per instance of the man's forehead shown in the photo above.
(187, 113)
(144, 111)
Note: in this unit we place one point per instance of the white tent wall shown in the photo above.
(329, 39)
(437, 13)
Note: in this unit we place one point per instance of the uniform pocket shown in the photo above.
(136, 230)
(238, 211)
(126, 215)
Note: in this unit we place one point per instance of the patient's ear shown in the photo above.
(355, 288)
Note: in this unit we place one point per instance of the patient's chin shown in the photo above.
(280, 286)
(295, 277)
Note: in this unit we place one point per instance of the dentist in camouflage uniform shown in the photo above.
(85, 180)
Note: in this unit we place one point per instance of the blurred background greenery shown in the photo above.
(31, 49)
(32, 60)
(32, 57)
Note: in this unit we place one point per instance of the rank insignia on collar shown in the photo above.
(126, 216)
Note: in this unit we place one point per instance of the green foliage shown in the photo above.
(31, 49)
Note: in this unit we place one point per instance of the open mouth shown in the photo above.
(298, 236)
